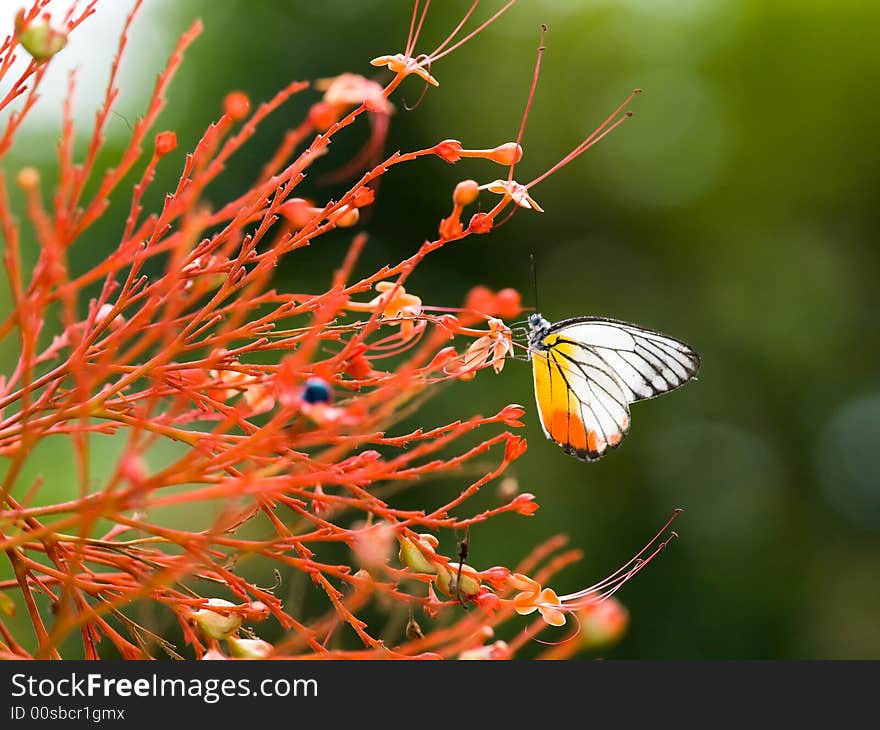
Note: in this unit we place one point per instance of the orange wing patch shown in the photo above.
(567, 405)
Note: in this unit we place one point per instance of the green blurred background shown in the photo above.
(736, 210)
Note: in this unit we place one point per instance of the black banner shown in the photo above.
(258, 693)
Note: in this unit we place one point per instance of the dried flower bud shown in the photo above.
(413, 630)
(216, 625)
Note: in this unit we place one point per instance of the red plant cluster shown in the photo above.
(282, 407)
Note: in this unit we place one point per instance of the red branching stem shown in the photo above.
(534, 85)
(270, 419)
(613, 121)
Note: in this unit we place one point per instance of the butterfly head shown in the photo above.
(538, 330)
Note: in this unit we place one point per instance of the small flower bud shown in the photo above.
(481, 223)
(249, 648)
(372, 545)
(506, 154)
(480, 299)
(165, 143)
(465, 192)
(319, 505)
(236, 105)
(488, 601)
(514, 448)
(322, 115)
(508, 303)
(363, 197)
(497, 576)
(215, 625)
(449, 150)
(507, 488)
(104, 312)
(603, 623)
(299, 212)
(525, 504)
(511, 415)
(359, 368)
(450, 323)
(257, 611)
(132, 468)
(28, 178)
(450, 227)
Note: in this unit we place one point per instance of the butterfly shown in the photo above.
(588, 370)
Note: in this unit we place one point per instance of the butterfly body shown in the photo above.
(587, 372)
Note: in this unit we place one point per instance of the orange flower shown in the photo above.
(534, 598)
(517, 192)
(393, 302)
(492, 348)
(401, 64)
(352, 90)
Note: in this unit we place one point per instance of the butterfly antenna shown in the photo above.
(534, 269)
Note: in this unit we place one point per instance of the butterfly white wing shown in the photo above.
(588, 372)
(648, 363)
